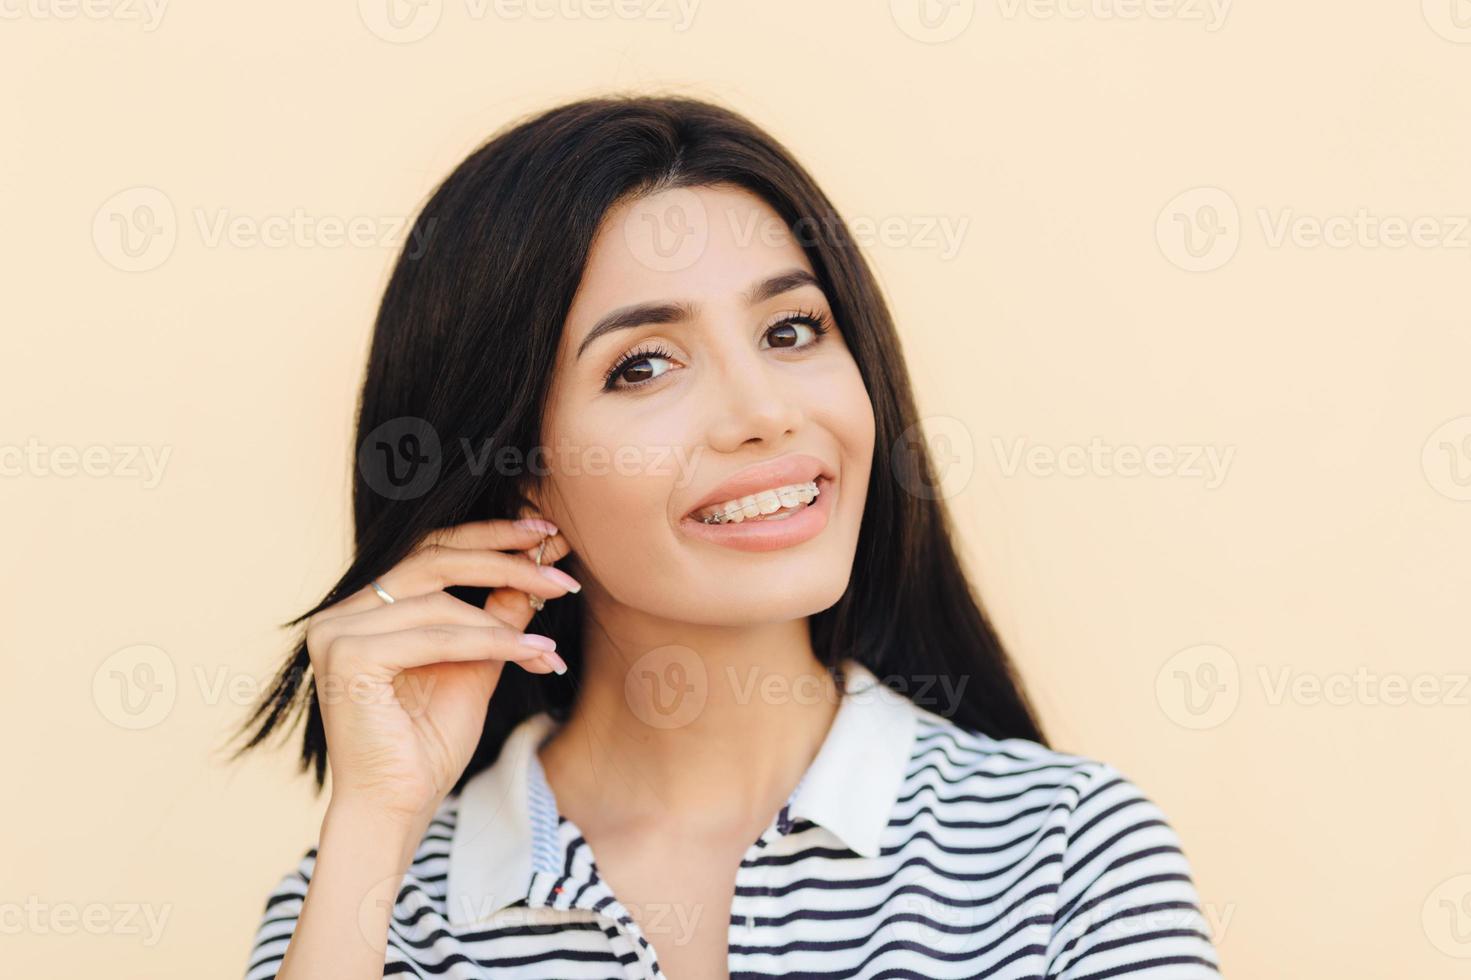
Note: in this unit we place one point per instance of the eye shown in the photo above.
(634, 359)
(786, 328)
(635, 367)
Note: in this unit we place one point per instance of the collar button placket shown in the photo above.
(752, 875)
(745, 877)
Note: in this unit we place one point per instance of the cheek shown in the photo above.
(615, 494)
(849, 414)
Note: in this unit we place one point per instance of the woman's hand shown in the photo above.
(404, 686)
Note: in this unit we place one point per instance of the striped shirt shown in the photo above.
(911, 847)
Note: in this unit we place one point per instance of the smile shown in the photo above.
(768, 505)
(786, 526)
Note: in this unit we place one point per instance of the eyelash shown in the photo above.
(815, 319)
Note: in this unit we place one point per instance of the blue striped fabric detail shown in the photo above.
(543, 810)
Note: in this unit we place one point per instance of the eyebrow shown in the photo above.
(627, 317)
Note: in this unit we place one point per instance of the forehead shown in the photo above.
(705, 245)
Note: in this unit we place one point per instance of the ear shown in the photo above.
(531, 505)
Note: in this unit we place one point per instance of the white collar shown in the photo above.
(849, 790)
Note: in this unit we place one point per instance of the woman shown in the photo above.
(635, 337)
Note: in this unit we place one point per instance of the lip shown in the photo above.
(803, 525)
(768, 475)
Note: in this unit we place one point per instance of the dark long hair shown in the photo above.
(463, 352)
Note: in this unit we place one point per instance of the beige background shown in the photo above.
(1275, 648)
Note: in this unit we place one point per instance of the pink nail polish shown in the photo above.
(535, 524)
(555, 662)
(537, 641)
(561, 578)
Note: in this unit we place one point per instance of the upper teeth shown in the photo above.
(758, 504)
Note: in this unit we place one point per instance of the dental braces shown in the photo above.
(728, 516)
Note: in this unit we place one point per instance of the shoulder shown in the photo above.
(945, 751)
(1119, 892)
(1086, 801)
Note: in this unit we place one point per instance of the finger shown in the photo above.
(495, 534)
(421, 610)
(389, 653)
(438, 566)
(435, 567)
(557, 546)
(513, 605)
(503, 535)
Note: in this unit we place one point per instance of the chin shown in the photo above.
(759, 599)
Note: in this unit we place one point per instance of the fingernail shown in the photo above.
(535, 524)
(555, 662)
(537, 641)
(561, 578)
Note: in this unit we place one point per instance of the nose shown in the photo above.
(752, 400)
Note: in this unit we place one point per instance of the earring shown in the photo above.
(537, 602)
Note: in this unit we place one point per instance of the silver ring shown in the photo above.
(382, 592)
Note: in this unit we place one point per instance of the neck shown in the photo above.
(708, 727)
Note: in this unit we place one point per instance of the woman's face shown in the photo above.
(649, 415)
